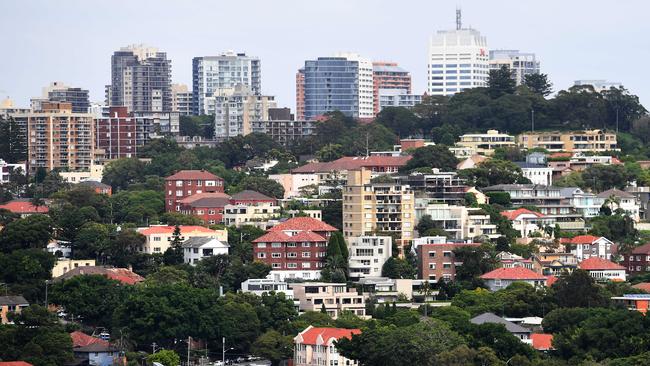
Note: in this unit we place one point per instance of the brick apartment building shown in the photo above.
(638, 261)
(117, 134)
(295, 248)
(209, 207)
(437, 261)
(188, 182)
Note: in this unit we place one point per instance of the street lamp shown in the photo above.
(224, 350)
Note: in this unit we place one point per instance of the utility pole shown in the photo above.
(189, 345)
(532, 120)
(223, 351)
(153, 346)
(617, 119)
(46, 283)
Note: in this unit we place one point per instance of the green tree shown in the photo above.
(165, 357)
(121, 173)
(492, 172)
(501, 82)
(34, 231)
(13, 145)
(603, 177)
(435, 156)
(273, 346)
(578, 290)
(262, 185)
(400, 120)
(538, 84)
(398, 268)
(330, 152)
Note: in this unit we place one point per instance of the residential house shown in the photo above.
(528, 222)
(15, 363)
(94, 351)
(638, 261)
(197, 248)
(523, 334)
(546, 198)
(536, 173)
(209, 207)
(294, 184)
(247, 214)
(11, 304)
(471, 162)
(386, 290)
(259, 286)
(188, 182)
(645, 286)
(587, 246)
(316, 347)
(123, 275)
(97, 187)
(334, 297)
(635, 302)
(23, 207)
(486, 143)
(64, 265)
(501, 278)
(542, 341)
(460, 222)
(436, 261)
(570, 141)
(616, 199)
(642, 195)
(556, 264)
(158, 238)
(510, 260)
(585, 203)
(368, 253)
(603, 270)
(295, 248)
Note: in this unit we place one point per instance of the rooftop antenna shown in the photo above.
(458, 21)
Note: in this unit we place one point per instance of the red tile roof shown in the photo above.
(312, 335)
(514, 273)
(272, 237)
(281, 237)
(541, 341)
(645, 286)
(23, 207)
(596, 263)
(80, 339)
(513, 214)
(350, 163)
(156, 229)
(643, 249)
(303, 224)
(193, 175)
(15, 363)
(307, 236)
(580, 239)
(124, 275)
(550, 280)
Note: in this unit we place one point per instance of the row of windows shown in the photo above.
(295, 265)
(292, 255)
(292, 245)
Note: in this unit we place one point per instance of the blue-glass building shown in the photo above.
(331, 84)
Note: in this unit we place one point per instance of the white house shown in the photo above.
(617, 199)
(197, 248)
(526, 221)
(315, 347)
(603, 270)
(501, 278)
(258, 286)
(536, 173)
(368, 255)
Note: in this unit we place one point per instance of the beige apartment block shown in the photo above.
(59, 138)
(485, 143)
(336, 297)
(377, 208)
(574, 141)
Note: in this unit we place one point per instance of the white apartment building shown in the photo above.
(211, 73)
(459, 221)
(599, 85)
(398, 98)
(292, 183)
(336, 297)
(239, 215)
(365, 82)
(520, 63)
(197, 248)
(368, 255)
(259, 286)
(159, 237)
(458, 59)
(486, 143)
(235, 108)
(536, 173)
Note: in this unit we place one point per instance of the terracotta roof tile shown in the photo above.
(272, 237)
(15, 363)
(515, 273)
(580, 239)
(550, 280)
(80, 339)
(596, 263)
(123, 275)
(193, 174)
(303, 224)
(307, 236)
(198, 196)
(351, 163)
(541, 341)
(643, 249)
(513, 214)
(645, 286)
(23, 207)
(312, 335)
(160, 229)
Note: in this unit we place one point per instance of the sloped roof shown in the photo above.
(281, 237)
(23, 207)
(527, 165)
(307, 236)
(272, 237)
(94, 184)
(542, 341)
(193, 175)
(491, 318)
(162, 229)
(15, 363)
(350, 163)
(303, 224)
(645, 286)
(580, 239)
(643, 249)
(311, 335)
(197, 242)
(122, 275)
(249, 195)
(513, 214)
(616, 193)
(80, 339)
(514, 273)
(596, 263)
(13, 300)
(550, 280)
(205, 195)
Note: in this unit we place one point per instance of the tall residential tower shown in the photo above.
(520, 63)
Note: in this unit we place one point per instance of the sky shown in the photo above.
(72, 40)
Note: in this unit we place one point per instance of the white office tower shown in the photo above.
(366, 86)
(520, 63)
(458, 60)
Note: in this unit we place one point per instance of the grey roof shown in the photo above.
(616, 193)
(197, 242)
(526, 165)
(248, 195)
(13, 300)
(210, 202)
(386, 68)
(491, 318)
(95, 347)
(94, 184)
(567, 191)
(503, 187)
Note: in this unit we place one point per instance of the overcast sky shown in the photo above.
(72, 41)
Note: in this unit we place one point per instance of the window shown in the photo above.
(292, 265)
(276, 265)
(276, 245)
(291, 245)
(306, 254)
(261, 255)
(292, 255)
(306, 245)
(261, 245)
(156, 249)
(276, 255)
